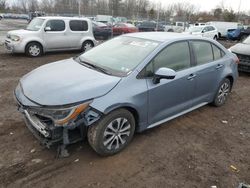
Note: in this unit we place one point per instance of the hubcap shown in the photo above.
(87, 47)
(223, 92)
(116, 133)
(34, 50)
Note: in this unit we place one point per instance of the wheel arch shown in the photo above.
(231, 79)
(127, 107)
(35, 41)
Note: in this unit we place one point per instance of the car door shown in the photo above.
(170, 97)
(55, 35)
(206, 32)
(78, 29)
(208, 69)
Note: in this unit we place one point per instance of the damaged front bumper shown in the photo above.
(44, 129)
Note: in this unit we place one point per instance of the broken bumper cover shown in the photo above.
(44, 129)
(47, 135)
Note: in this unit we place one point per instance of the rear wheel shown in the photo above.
(87, 45)
(112, 133)
(222, 93)
(243, 37)
(34, 49)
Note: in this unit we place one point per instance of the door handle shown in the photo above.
(219, 66)
(191, 76)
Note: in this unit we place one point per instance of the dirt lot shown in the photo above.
(195, 150)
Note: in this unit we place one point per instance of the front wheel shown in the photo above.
(34, 49)
(87, 45)
(112, 133)
(222, 93)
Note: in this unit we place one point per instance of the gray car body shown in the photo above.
(67, 82)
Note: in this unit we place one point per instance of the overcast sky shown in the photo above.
(206, 5)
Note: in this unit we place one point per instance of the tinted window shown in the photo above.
(217, 52)
(203, 52)
(175, 56)
(78, 25)
(56, 25)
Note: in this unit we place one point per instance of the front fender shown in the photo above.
(33, 39)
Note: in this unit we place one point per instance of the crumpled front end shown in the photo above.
(49, 129)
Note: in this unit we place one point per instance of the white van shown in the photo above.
(45, 34)
(223, 27)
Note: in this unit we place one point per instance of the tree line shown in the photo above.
(132, 9)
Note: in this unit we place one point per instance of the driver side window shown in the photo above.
(176, 57)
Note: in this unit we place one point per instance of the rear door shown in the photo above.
(170, 97)
(78, 29)
(208, 69)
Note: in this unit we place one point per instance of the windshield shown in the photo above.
(247, 40)
(35, 24)
(196, 29)
(120, 55)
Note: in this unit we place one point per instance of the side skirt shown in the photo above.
(177, 115)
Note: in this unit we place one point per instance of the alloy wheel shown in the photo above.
(223, 92)
(116, 133)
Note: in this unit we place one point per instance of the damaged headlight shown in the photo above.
(62, 116)
(14, 38)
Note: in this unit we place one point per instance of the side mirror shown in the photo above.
(203, 31)
(47, 29)
(163, 73)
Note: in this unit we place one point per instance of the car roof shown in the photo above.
(64, 18)
(163, 36)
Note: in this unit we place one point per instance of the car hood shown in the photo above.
(65, 82)
(241, 48)
(20, 32)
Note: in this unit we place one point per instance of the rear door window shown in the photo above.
(218, 53)
(203, 52)
(56, 25)
(78, 25)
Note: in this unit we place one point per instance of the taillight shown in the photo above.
(237, 61)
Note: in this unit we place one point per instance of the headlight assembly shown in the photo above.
(15, 38)
(62, 116)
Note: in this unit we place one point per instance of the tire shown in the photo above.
(243, 37)
(34, 49)
(107, 137)
(87, 45)
(222, 93)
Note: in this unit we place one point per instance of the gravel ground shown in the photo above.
(195, 150)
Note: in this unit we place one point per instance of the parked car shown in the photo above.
(35, 14)
(204, 31)
(101, 31)
(111, 93)
(242, 50)
(1, 16)
(45, 34)
(223, 27)
(177, 27)
(122, 28)
(238, 34)
(147, 26)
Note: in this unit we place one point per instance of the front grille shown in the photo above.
(244, 58)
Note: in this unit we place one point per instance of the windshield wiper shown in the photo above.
(90, 65)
